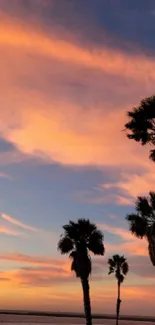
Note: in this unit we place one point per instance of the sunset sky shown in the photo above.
(69, 72)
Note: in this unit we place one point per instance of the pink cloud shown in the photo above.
(8, 231)
(134, 185)
(130, 245)
(4, 175)
(107, 60)
(135, 247)
(18, 223)
(88, 142)
(121, 232)
(62, 139)
(44, 125)
(101, 197)
(36, 260)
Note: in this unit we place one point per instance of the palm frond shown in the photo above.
(86, 227)
(74, 268)
(141, 125)
(151, 230)
(65, 245)
(125, 268)
(71, 230)
(78, 238)
(120, 278)
(116, 259)
(143, 207)
(111, 270)
(138, 226)
(73, 254)
(152, 155)
(74, 264)
(118, 265)
(152, 201)
(111, 263)
(122, 259)
(95, 244)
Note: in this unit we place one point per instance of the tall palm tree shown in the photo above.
(142, 223)
(142, 123)
(119, 266)
(80, 238)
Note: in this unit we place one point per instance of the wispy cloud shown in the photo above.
(104, 59)
(133, 184)
(18, 223)
(122, 190)
(121, 232)
(43, 276)
(94, 85)
(133, 247)
(4, 175)
(141, 266)
(130, 245)
(11, 232)
(90, 142)
(102, 197)
(36, 260)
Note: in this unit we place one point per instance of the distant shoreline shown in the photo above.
(76, 315)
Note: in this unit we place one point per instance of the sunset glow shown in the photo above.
(68, 77)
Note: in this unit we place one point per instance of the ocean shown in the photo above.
(43, 320)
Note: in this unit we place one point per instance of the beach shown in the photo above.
(37, 320)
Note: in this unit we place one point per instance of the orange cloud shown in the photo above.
(135, 185)
(18, 223)
(98, 197)
(124, 234)
(62, 139)
(135, 247)
(91, 144)
(20, 35)
(44, 124)
(52, 285)
(7, 231)
(130, 246)
(55, 126)
(3, 175)
(36, 260)
(140, 292)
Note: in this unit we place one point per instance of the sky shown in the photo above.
(70, 70)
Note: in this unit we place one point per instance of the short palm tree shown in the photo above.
(80, 238)
(119, 266)
(142, 223)
(142, 123)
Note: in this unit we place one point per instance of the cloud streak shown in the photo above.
(121, 232)
(11, 232)
(18, 223)
(104, 59)
(130, 245)
(64, 101)
(90, 142)
(37, 260)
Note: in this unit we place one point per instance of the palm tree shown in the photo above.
(142, 123)
(119, 266)
(142, 223)
(80, 238)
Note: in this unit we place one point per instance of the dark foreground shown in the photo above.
(29, 317)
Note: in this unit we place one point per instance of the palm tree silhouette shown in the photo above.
(142, 223)
(119, 266)
(79, 239)
(142, 123)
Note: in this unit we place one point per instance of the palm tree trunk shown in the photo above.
(118, 303)
(151, 248)
(86, 300)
